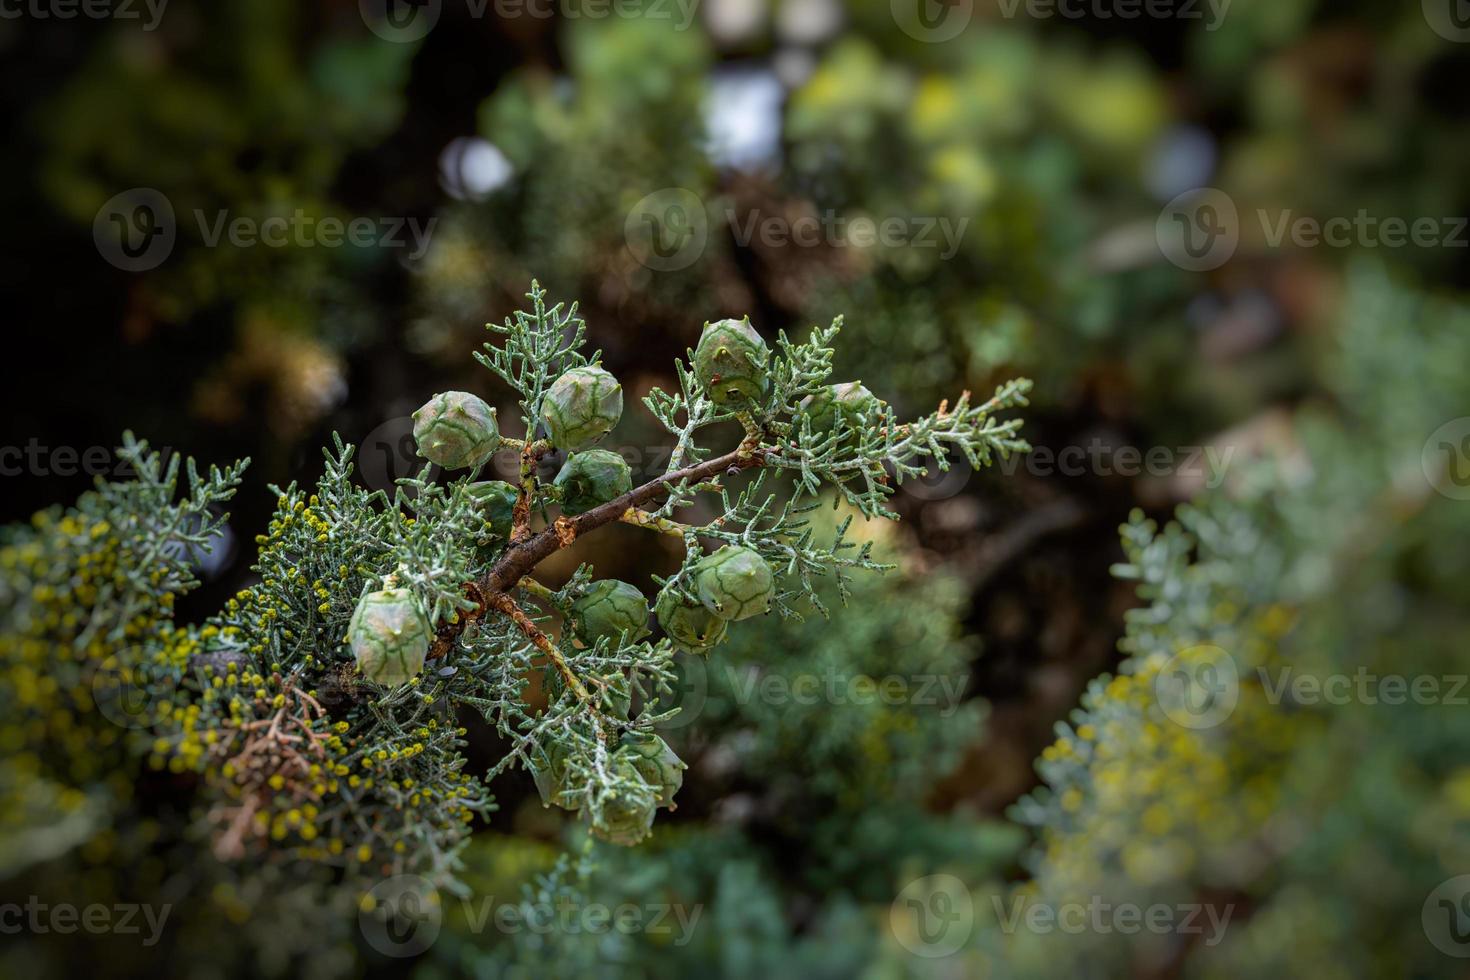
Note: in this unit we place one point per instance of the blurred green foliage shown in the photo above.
(812, 752)
(1324, 828)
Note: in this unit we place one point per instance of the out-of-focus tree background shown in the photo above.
(983, 189)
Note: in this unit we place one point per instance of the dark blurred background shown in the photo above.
(652, 161)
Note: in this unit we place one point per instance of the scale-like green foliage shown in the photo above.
(320, 708)
(1207, 772)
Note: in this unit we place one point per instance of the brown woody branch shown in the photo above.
(503, 603)
(522, 557)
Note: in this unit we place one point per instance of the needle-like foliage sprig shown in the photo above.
(306, 758)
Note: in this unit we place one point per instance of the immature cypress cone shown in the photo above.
(689, 624)
(549, 770)
(731, 362)
(626, 818)
(615, 696)
(456, 430)
(848, 401)
(735, 583)
(656, 763)
(608, 609)
(497, 501)
(590, 478)
(390, 636)
(581, 407)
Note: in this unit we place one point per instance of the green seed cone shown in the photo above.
(731, 362)
(497, 501)
(608, 609)
(456, 430)
(590, 478)
(627, 818)
(735, 583)
(615, 695)
(848, 401)
(689, 624)
(549, 770)
(656, 763)
(581, 407)
(390, 636)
